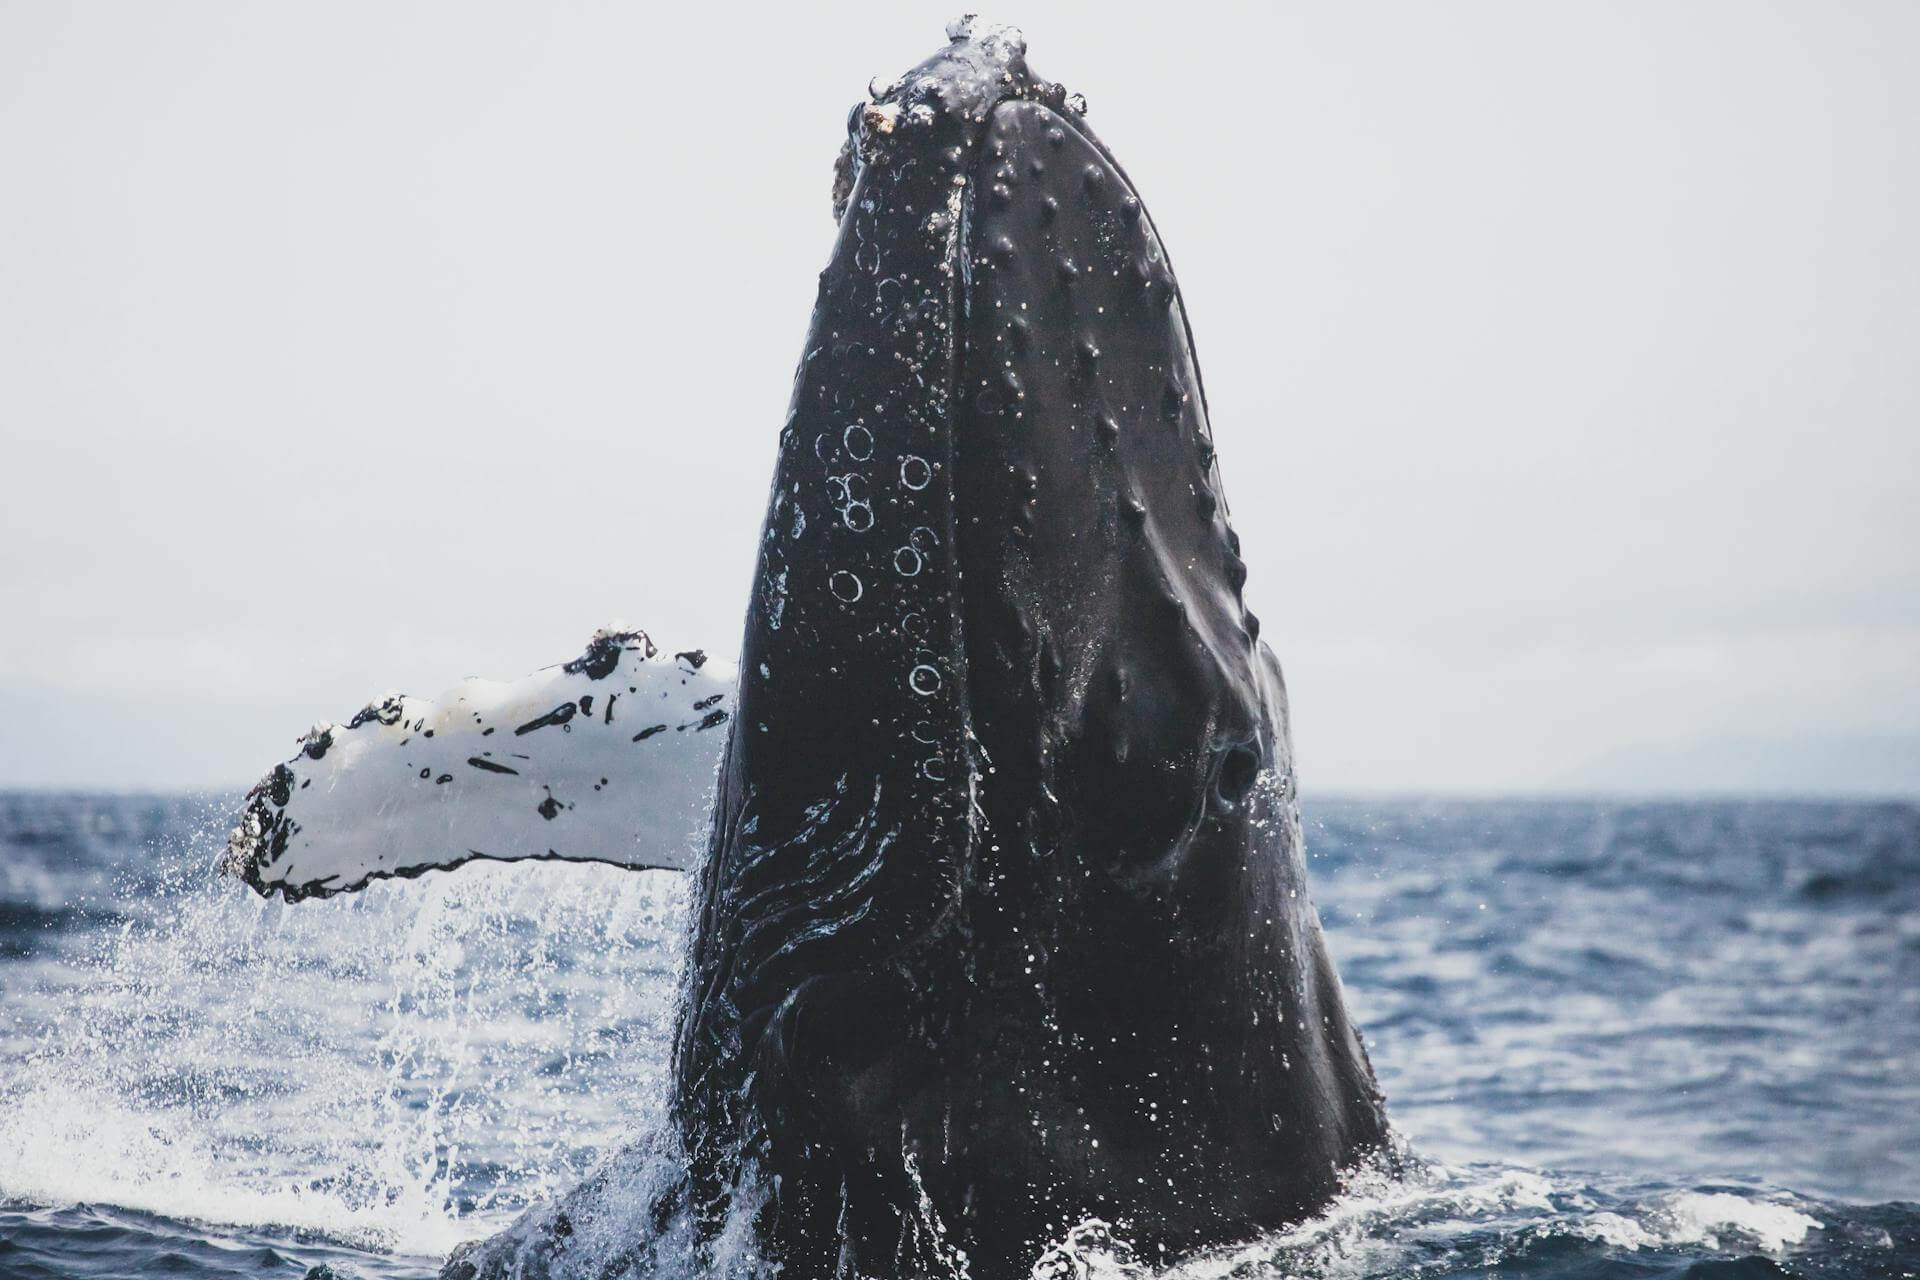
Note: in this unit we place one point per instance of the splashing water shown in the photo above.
(396, 1071)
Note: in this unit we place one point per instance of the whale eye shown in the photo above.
(1239, 770)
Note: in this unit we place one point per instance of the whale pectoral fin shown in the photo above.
(608, 758)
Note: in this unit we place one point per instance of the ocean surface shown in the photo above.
(1618, 1040)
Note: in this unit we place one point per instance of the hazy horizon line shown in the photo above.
(1343, 794)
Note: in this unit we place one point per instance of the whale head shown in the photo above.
(1004, 921)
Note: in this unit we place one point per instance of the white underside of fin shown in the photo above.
(608, 758)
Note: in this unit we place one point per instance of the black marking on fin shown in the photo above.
(602, 657)
(559, 715)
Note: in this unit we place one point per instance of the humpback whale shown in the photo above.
(1001, 925)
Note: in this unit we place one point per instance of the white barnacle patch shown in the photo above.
(774, 598)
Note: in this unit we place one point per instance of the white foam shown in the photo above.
(61, 1145)
(1612, 1229)
(1705, 1218)
(1388, 1225)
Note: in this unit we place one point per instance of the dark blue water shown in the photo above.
(1620, 1040)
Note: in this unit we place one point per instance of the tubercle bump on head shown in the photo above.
(949, 96)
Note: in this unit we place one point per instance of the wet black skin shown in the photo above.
(1005, 920)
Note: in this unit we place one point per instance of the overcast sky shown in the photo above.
(1564, 360)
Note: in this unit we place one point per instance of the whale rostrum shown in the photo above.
(1001, 930)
